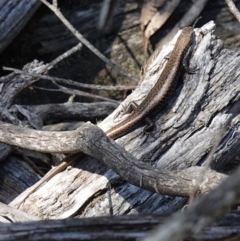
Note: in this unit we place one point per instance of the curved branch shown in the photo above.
(91, 140)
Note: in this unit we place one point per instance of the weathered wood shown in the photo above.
(11, 215)
(5, 150)
(127, 21)
(85, 19)
(91, 140)
(130, 199)
(16, 176)
(13, 84)
(39, 114)
(132, 227)
(201, 212)
(178, 125)
(14, 15)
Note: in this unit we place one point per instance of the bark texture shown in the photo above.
(130, 228)
(185, 131)
(14, 15)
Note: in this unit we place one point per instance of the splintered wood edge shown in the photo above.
(153, 71)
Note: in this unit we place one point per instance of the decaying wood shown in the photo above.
(11, 215)
(201, 213)
(39, 114)
(132, 227)
(14, 15)
(92, 141)
(185, 130)
(5, 150)
(13, 84)
(16, 176)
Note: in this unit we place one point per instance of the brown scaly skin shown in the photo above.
(162, 89)
(154, 101)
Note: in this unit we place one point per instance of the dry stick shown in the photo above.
(233, 9)
(51, 64)
(84, 139)
(202, 213)
(65, 89)
(74, 92)
(71, 82)
(65, 55)
(82, 93)
(80, 37)
(45, 89)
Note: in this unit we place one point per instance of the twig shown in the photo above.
(65, 89)
(51, 64)
(233, 9)
(80, 37)
(111, 154)
(66, 54)
(202, 213)
(82, 93)
(70, 82)
(45, 89)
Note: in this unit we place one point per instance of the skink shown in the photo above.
(153, 102)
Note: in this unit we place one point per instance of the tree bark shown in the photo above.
(132, 227)
(185, 132)
(14, 15)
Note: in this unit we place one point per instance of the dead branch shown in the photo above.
(70, 82)
(10, 215)
(80, 37)
(233, 9)
(201, 213)
(129, 228)
(91, 140)
(37, 115)
(185, 131)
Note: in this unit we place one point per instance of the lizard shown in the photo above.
(154, 100)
